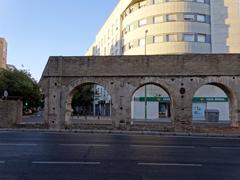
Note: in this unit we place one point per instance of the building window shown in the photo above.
(158, 39)
(112, 29)
(131, 27)
(188, 37)
(158, 19)
(172, 37)
(131, 9)
(142, 22)
(141, 42)
(142, 4)
(201, 38)
(201, 18)
(188, 17)
(158, 1)
(200, 1)
(127, 29)
(130, 45)
(172, 17)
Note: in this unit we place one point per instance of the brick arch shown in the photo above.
(71, 89)
(160, 84)
(229, 91)
(121, 75)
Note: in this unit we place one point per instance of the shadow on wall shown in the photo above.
(219, 28)
(114, 50)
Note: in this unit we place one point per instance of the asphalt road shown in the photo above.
(53, 156)
(34, 118)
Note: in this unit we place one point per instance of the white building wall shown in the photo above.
(225, 25)
(138, 107)
(212, 91)
(222, 107)
(152, 90)
(138, 110)
(223, 31)
(152, 110)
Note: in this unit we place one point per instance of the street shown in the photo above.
(69, 156)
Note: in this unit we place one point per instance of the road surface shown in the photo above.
(65, 156)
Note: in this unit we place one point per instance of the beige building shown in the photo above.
(3, 53)
(138, 27)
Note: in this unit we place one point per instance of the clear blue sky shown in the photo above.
(37, 29)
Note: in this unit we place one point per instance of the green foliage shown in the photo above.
(83, 97)
(20, 83)
(82, 100)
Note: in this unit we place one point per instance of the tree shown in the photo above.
(20, 83)
(83, 98)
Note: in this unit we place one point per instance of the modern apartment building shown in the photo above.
(3, 53)
(138, 27)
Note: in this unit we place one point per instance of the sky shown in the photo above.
(37, 29)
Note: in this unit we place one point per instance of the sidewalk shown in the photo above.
(122, 132)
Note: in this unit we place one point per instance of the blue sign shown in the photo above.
(198, 111)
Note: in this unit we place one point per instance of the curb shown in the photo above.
(123, 132)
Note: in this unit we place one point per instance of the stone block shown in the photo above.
(10, 113)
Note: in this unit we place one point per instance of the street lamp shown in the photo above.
(145, 103)
(145, 50)
(145, 53)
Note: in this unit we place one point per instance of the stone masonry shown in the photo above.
(10, 113)
(180, 75)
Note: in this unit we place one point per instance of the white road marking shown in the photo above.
(170, 164)
(227, 148)
(182, 136)
(163, 146)
(67, 162)
(87, 145)
(202, 137)
(17, 144)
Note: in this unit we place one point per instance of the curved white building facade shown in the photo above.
(138, 27)
(3, 53)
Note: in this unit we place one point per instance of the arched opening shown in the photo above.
(90, 102)
(34, 108)
(211, 103)
(151, 102)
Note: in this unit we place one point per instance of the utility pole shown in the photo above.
(145, 53)
(145, 49)
(145, 102)
(94, 89)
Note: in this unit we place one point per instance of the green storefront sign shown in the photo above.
(195, 99)
(152, 99)
(210, 99)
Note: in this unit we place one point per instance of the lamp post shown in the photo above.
(145, 102)
(145, 53)
(145, 49)
(94, 89)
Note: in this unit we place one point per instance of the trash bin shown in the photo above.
(212, 115)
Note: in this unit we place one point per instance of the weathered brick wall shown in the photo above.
(10, 113)
(123, 75)
(126, 66)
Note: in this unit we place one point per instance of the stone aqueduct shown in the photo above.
(179, 75)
